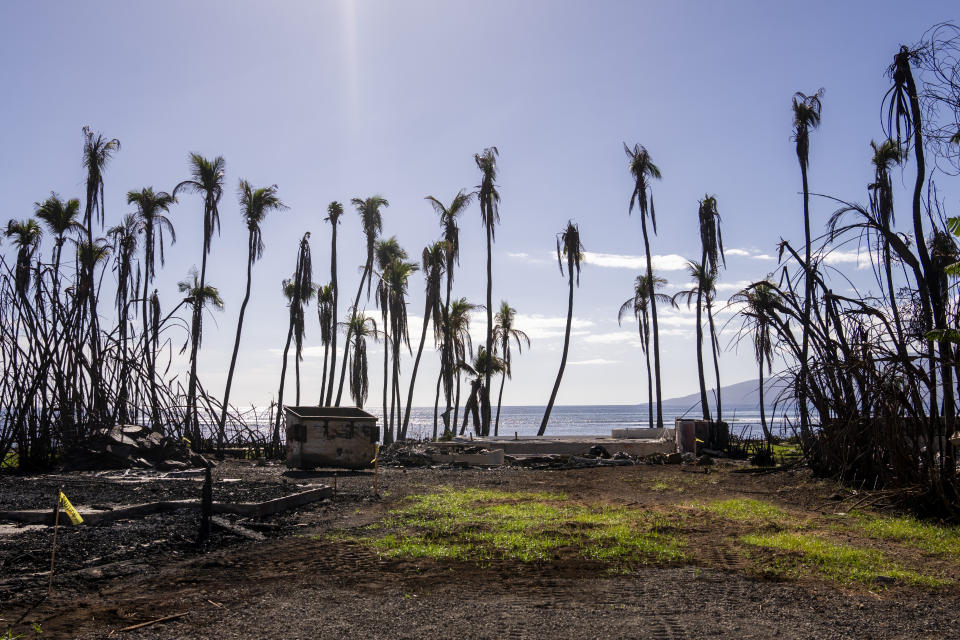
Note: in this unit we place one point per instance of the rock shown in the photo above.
(674, 458)
(705, 461)
(599, 452)
(687, 457)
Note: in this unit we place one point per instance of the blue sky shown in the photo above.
(331, 100)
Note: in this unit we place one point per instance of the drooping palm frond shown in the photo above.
(254, 206)
(806, 116)
(151, 208)
(570, 247)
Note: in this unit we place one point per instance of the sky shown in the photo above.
(337, 99)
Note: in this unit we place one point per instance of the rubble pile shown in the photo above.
(132, 447)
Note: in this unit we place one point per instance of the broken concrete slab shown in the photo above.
(492, 458)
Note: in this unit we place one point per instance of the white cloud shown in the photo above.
(668, 262)
(540, 327)
(748, 253)
(846, 257)
(613, 337)
(733, 286)
(737, 252)
(593, 361)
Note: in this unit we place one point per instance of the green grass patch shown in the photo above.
(838, 562)
(10, 461)
(926, 536)
(483, 525)
(747, 510)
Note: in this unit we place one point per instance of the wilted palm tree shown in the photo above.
(97, 151)
(298, 291)
(806, 116)
(639, 305)
(704, 285)
(398, 278)
(503, 332)
(569, 248)
(371, 218)
(460, 311)
(255, 204)
(361, 329)
(760, 301)
(61, 220)
(489, 199)
(643, 171)
(327, 331)
(481, 369)
(711, 243)
(26, 236)
(124, 237)
(199, 296)
(885, 156)
(334, 211)
(151, 208)
(433, 260)
(206, 179)
(451, 237)
(385, 253)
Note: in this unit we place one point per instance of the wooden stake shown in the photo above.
(150, 622)
(53, 551)
(376, 472)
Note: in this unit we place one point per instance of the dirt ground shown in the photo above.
(300, 584)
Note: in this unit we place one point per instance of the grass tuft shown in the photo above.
(926, 536)
(747, 510)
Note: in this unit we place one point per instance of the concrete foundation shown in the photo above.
(569, 445)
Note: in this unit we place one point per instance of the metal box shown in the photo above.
(330, 437)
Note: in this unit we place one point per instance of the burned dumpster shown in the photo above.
(330, 437)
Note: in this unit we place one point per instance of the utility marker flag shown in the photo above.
(73, 513)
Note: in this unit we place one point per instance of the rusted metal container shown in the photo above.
(330, 437)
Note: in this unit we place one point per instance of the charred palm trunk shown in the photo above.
(704, 404)
(416, 366)
(566, 349)
(346, 345)
(716, 360)
(333, 318)
(283, 376)
(653, 317)
(221, 427)
(485, 392)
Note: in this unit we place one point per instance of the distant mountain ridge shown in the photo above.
(740, 394)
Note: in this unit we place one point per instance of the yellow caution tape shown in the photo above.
(699, 440)
(68, 508)
(376, 454)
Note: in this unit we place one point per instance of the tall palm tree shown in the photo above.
(489, 199)
(639, 305)
(643, 171)
(97, 151)
(385, 253)
(760, 301)
(327, 331)
(711, 243)
(298, 291)
(703, 280)
(451, 237)
(503, 332)
(570, 248)
(361, 329)
(371, 219)
(206, 179)
(885, 156)
(462, 346)
(26, 236)
(61, 220)
(806, 116)
(255, 204)
(151, 208)
(481, 369)
(124, 237)
(334, 212)
(398, 278)
(199, 295)
(433, 261)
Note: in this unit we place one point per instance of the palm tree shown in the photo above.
(361, 327)
(334, 211)
(482, 368)
(462, 344)
(398, 277)
(385, 253)
(298, 291)
(806, 116)
(489, 199)
(124, 246)
(704, 282)
(711, 243)
(97, 151)
(639, 305)
(199, 294)
(433, 259)
(26, 236)
(327, 331)
(206, 179)
(61, 220)
(569, 247)
(503, 333)
(151, 208)
(760, 301)
(885, 155)
(371, 218)
(643, 171)
(255, 204)
(451, 237)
